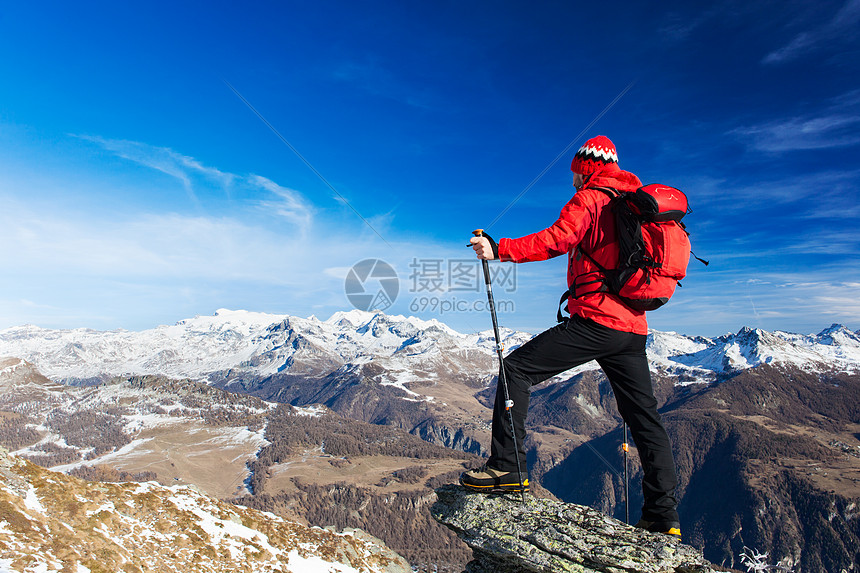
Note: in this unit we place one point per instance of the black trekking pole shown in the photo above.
(502, 378)
(626, 447)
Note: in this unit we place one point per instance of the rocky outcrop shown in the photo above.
(549, 536)
(52, 522)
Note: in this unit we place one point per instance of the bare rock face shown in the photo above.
(550, 536)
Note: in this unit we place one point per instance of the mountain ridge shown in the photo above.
(233, 343)
(786, 401)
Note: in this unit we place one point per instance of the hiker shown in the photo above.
(601, 327)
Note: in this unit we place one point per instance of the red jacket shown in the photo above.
(584, 221)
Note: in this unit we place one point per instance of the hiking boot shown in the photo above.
(489, 480)
(672, 528)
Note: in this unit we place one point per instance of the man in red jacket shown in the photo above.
(601, 327)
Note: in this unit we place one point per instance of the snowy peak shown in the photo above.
(835, 348)
(353, 317)
(751, 347)
(838, 335)
(238, 341)
(260, 344)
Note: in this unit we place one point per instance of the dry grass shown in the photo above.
(366, 471)
(189, 452)
(840, 474)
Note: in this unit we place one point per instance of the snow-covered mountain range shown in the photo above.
(258, 344)
(422, 378)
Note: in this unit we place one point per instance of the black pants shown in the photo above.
(622, 357)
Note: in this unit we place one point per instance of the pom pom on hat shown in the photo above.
(597, 153)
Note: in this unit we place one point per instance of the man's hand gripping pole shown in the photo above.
(503, 382)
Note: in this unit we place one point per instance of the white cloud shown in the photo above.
(374, 78)
(840, 28)
(123, 273)
(280, 201)
(835, 125)
(709, 305)
(829, 130)
(800, 44)
(184, 168)
(288, 203)
(824, 194)
(679, 27)
(337, 272)
(828, 242)
(125, 264)
(74, 269)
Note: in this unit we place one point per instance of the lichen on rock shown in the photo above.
(543, 535)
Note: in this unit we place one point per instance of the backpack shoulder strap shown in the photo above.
(610, 191)
(613, 194)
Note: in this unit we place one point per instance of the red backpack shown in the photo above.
(654, 248)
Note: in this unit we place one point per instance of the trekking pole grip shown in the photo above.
(485, 264)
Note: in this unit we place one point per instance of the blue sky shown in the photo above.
(137, 188)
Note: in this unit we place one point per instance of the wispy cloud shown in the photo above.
(278, 200)
(140, 266)
(768, 300)
(833, 192)
(835, 242)
(842, 27)
(754, 248)
(216, 261)
(830, 297)
(677, 27)
(837, 125)
(375, 79)
(840, 302)
(164, 159)
(288, 203)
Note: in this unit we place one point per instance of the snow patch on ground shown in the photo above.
(399, 379)
(222, 532)
(32, 501)
(107, 506)
(235, 436)
(311, 411)
(588, 407)
(11, 368)
(124, 453)
(314, 564)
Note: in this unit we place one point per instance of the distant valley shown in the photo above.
(336, 422)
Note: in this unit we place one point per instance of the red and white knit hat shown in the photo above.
(597, 153)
